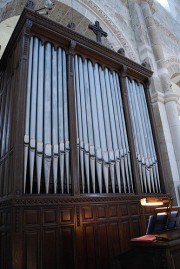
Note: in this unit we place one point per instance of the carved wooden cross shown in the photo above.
(97, 30)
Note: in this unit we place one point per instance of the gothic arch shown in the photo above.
(85, 11)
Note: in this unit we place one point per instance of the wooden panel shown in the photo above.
(8, 250)
(1, 177)
(67, 248)
(31, 218)
(51, 234)
(125, 235)
(31, 250)
(2, 219)
(134, 209)
(113, 211)
(49, 249)
(6, 179)
(102, 245)
(67, 215)
(50, 217)
(114, 239)
(135, 227)
(10, 174)
(2, 250)
(5, 239)
(90, 259)
(101, 212)
(124, 210)
(175, 258)
(87, 214)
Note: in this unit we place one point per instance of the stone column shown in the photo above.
(171, 100)
(167, 104)
(165, 111)
(147, 9)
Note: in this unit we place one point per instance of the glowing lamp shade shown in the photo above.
(151, 202)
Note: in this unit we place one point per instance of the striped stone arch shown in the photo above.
(82, 13)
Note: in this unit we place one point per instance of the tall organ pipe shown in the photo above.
(46, 139)
(40, 106)
(100, 121)
(144, 143)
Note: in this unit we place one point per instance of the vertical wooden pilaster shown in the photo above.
(72, 120)
(135, 171)
(20, 99)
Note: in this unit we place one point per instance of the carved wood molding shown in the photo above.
(58, 33)
(34, 200)
(4, 202)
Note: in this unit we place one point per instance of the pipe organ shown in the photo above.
(77, 149)
(104, 157)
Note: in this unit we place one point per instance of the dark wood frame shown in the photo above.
(87, 230)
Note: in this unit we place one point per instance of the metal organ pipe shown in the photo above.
(94, 111)
(54, 118)
(27, 118)
(100, 122)
(33, 109)
(137, 136)
(60, 120)
(100, 117)
(144, 144)
(104, 155)
(39, 130)
(66, 123)
(46, 139)
(90, 147)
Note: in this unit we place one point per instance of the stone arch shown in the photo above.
(83, 13)
(173, 66)
(6, 29)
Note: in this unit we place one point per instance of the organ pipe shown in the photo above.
(142, 134)
(102, 142)
(100, 122)
(46, 138)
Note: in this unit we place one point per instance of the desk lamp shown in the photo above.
(151, 201)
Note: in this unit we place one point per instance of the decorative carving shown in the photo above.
(72, 26)
(123, 70)
(6, 203)
(72, 46)
(78, 216)
(28, 26)
(28, 201)
(121, 51)
(17, 222)
(98, 31)
(146, 64)
(30, 4)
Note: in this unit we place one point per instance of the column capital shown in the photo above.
(165, 97)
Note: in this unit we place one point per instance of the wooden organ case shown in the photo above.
(77, 149)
